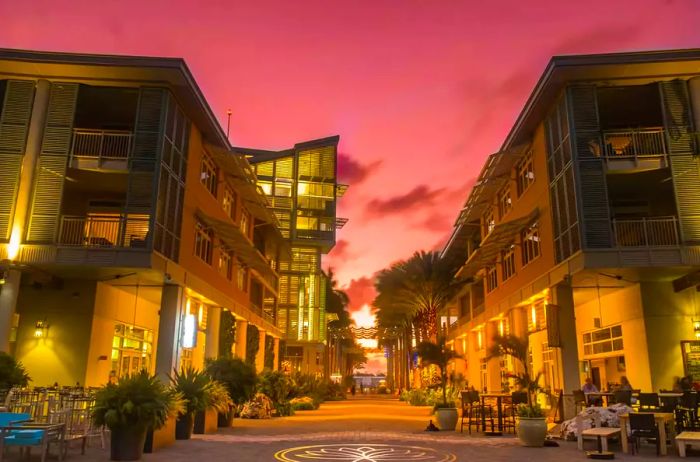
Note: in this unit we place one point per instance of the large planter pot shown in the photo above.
(184, 427)
(127, 443)
(447, 418)
(532, 431)
(161, 438)
(225, 419)
(205, 422)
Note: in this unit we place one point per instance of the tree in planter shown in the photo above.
(440, 355)
(130, 408)
(12, 373)
(195, 387)
(252, 344)
(269, 352)
(227, 333)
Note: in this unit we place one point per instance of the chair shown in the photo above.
(580, 400)
(643, 426)
(648, 401)
(623, 397)
(686, 413)
(473, 412)
(668, 403)
(28, 435)
(510, 411)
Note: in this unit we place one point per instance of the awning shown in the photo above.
(502, 235)
(241, 246)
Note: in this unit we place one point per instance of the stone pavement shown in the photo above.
(357, 430)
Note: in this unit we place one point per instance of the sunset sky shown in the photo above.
(420, 92)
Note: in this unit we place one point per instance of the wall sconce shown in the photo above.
(41, 329)
(696, 329)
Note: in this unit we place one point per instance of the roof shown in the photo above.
(262, 155)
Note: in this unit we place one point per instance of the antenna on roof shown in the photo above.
(228, 122)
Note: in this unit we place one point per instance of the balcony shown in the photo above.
(104, 231)
(646, 232)
(100, 149)
(642, 149)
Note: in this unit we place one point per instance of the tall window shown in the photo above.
(229, 202)
(203, 242)
(491, 278)
(488, 221)
(226, 262)
(530, 238)
(242, 277)
(208, 174)
(132, 349)
(508, 262)
(245, 223)
(525, 173)
(504, 201)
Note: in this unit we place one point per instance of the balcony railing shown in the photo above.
(644, 232)
(104, 232)
(630, 144)
(101, 144)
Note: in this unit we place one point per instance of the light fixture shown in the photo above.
(696, 329)
(3, 277)
(41, 329)
(189, 335)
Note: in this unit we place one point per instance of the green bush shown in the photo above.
(276, 386)
(305, 403)
(195, 387)
(237, 375)
(12, 373)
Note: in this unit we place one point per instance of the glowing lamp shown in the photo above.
(696, 328)
(189, 335)
(14, 245)
(40, 329)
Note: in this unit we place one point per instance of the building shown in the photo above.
(583, 232)
(130, 236)
(301, 184)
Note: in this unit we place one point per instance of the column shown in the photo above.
(168, 350)
(35, 134)
(276, 350)
(493, 367)
(211, 348)
(563, 297)
(260, 357)
(241, 337)
(694, 87)
(461, 362)
(519, 320)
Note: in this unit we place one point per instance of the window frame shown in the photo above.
(505, 201)
(203, 242)
(225, 263)
(228, 202)
(508, 268)
(530, 244)
(489, 221)
(209, 174)
(525, 173)
(491, 278)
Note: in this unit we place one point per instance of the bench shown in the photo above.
(602, 434)
(686, 439)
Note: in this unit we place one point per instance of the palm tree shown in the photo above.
(439, 355)
(517, 348)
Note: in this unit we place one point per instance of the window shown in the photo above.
(504, 202)
(226, 262)
(266, 186)
(602, 341)
(488, 221)
(508, 262)
(242, 277)
(530, 238)
(491, 279)
(283, 188)
(525, 173)
(203, 242)
(245, 223)
(537, 319)
(229, 202)
(132, 350)
(208, 174)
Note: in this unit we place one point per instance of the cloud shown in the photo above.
(353, 172)
(341, 249)
(360, 291)
(421, 196)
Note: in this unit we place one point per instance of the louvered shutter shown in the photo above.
(53, 160)
(16, 111)
(684, 164)
(592, 188)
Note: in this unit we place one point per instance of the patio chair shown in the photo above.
(643, 426)
(472, 411)
(28, 435)
(510, 410)
(686, 413)
(648, 402)
(623, 397)
(580, 401)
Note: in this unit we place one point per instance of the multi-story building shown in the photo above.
(302, 189)
(130, 236)
(583, 233)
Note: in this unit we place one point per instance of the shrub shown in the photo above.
(305, 403)
(195, 387)
(275, 385)
(219, 398)
(260, 407)
(12, 373)
(237, 375)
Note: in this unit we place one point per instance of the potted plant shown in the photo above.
(195, 387)
(239, 379)
(130, 408)
(532, 424)
(440, 355)
(206, 421)
(12, 373)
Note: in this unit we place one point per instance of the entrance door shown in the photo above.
(595, 375)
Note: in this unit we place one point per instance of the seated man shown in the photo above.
(589, 387)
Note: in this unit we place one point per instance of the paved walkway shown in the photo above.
(357, 430)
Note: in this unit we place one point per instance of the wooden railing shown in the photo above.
(644, 232)
(103, 232)
(101, 144)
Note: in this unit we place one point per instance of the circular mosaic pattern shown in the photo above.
(363, 453)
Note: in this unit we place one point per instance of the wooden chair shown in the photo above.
(643, 426)
(510, 410)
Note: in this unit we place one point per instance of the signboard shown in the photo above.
(691, 358)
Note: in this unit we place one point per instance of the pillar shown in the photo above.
(241, 337)
(211, 348)
(260, 356)
(694, 87)
(276, 351)
(519, 320)
(563, 297)
(168, 350)
(493, 367)
(35, 135)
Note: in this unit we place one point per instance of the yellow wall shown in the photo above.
(121, 304)
(60, 356)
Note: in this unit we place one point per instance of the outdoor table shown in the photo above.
(499, 406)
(661, 418)
(670, 394)
(600, 394)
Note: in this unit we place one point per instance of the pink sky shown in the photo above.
(419, 91)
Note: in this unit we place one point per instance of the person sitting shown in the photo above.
(624, 384)
(589, 386)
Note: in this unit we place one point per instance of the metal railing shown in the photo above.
(648, 142)
(643, 232)
(104, 231)
(101, 144)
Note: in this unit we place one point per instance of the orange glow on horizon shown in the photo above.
(364, 316)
